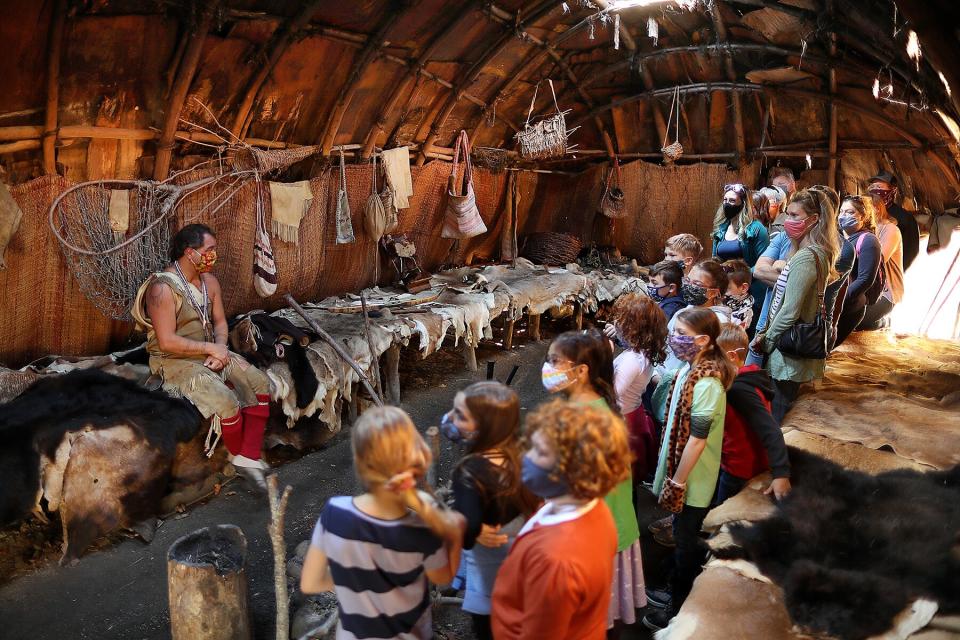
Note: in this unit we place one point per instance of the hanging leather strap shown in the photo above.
(343, 171)
(462, 144)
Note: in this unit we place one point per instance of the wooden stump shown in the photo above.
(533, 325)
(391, 386)
(508, 334)
(579, 317)
(470, 356)
(207, 585)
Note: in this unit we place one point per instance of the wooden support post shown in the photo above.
(178, 94)
(278, 507)
(207, 585)
(392, 374)
(57, 20)
(508, 334)
(533, 325)
(579, 315)
(353, 409)
(470, 355)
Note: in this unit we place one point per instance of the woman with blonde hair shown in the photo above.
(739, 234)
(811, 225)
(487, 488)
(555, 583)
(378, 550)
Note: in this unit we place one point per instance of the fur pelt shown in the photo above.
(851, 550)
(37, 423)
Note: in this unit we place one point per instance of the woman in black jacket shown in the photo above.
(859, 226)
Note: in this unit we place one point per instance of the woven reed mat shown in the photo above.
(43, 308)
(887, 395)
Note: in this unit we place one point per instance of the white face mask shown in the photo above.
(554, 379)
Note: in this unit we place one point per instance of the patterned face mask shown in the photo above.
(554, 379)
(693, 293)
(207, 260)
(684, 347)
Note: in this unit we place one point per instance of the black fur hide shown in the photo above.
(852, 550)
(36, 421)
(304, 379)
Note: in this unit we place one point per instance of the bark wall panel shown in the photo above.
(24, 59)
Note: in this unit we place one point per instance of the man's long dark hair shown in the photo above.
(189, 237)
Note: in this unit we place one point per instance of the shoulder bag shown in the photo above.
(808, 339)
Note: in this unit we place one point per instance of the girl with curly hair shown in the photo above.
(640, 327)
(580, 365)
(555, 583)
(486, 487)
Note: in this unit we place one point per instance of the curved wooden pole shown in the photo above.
(57, 21)
(539, 10)
(415, 67)
(367, 55)
(720, 28)
(271, 53)
(706, 87)
(178, 93)
(549, 49)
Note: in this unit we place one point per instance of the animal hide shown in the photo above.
(852, 550)
(10, 216)
(98, 447)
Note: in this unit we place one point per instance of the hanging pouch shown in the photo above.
(611, 204)
(344, 224)
(264, 266)
(674, 150)
(462, 218)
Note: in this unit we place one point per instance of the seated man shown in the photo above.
(181, 308)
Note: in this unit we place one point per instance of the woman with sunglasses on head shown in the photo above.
(811, 225)
(865, 282)
(580, 366)
(689, 460)
(738, 234)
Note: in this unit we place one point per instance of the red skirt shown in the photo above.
(643, 443)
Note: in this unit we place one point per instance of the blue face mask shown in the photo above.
(538, 480)
(654, 292)
(452, 432)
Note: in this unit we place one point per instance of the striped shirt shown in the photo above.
(379, 570)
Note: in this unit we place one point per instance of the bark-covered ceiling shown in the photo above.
(112, 86)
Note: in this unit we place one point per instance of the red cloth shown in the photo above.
(254, 424)
(231, 432)
(553, 585)
(643, 442)
(742, 454)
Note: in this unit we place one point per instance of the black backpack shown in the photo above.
(874, 291)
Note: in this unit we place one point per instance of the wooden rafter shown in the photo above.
(547, 49)
(57, 21)
(706, 87)
(367, 55)
(181, 85)
(270, 54)
(542, 8)
(721, 31)
(832, 107)
(414, 68)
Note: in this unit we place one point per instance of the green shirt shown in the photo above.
(620, 502)
(709, 400)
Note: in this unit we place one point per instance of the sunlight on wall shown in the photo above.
(921, 283)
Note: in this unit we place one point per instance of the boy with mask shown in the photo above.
(738, 296)
(684, 249)
(666, 279)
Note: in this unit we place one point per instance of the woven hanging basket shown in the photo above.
(672, 152)
(547, 138)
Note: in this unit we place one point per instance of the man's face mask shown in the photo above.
(206, 260)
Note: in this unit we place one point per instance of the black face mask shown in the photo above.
(731, 210)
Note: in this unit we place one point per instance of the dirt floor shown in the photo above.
(118, 590)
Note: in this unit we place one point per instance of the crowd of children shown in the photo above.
(681, 394)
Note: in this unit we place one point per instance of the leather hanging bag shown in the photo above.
(612, 204)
